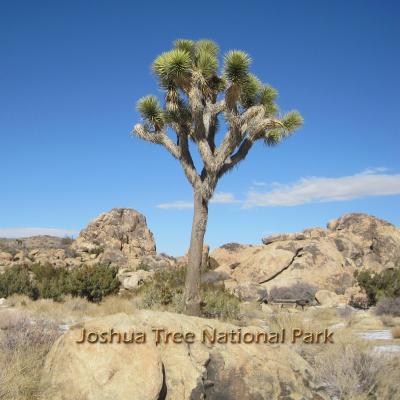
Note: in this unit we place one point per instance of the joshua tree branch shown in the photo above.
(240, 155)
(257, 129)
(158, 138)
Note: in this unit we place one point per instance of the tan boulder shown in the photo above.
(5, 257)
(327, 298)
(131, 280)
(325, 258)
(378, 241)
(173, 371)
(283, 237)
(248, 291)
(122, 229)
(182, 261)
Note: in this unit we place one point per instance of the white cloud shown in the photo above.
(179, 204)
(223, 198)
(370, 182)
(320, 189)
(218, 198)
(26, 232)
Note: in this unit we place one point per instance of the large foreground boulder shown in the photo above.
(172, 371)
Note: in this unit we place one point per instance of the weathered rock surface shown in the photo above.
(173, 371)
(132, 280)
(247, 291)
(182, 261)
(123, 230)
(326, 258)
(327, 298)
(119, 238)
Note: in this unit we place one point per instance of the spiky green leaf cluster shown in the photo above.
(236, 66)
(288, 124)
(292, 121)
(273, 137)
(173, 65)
(185, 45)
(197, 63)
(150, 109)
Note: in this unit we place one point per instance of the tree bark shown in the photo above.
(195, 255)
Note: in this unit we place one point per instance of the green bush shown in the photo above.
(166, 290)
(93, 282)
(46, 281)
(379, 285)
(50, 282)
(219, 303)
(17, 280)
(67, 240)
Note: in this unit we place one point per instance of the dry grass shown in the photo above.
(388, 321)
(71, 309)
(24, 344)
(350, 368)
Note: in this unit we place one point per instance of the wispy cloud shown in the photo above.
(223, 198)
(26, 232)
(179, 204)
(370, 182)
(218, 198)
(319, 189)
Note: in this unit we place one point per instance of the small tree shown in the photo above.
(196, 99)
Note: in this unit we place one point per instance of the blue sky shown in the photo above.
(71, 73)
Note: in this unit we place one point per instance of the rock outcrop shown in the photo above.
(325, 258)
(119, 238)
(173, 371)
(121, 232)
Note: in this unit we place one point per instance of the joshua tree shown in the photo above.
(196, 99)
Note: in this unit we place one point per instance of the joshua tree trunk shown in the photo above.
(192, 286)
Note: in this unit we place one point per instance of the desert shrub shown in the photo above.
(379, 285)
(360, 302)
(46, 281)
(67, 241)
(166, 291)
(17, 280)
(70, 253)
(23, 348)
(232, 246)
(300, 290)
(351, 370)
(388, 306)
(93, 282)
(219, 304)
(50, 282)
